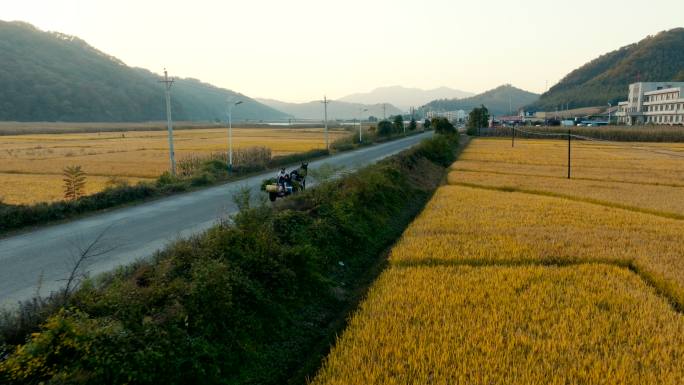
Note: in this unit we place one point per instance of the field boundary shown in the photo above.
(597, 202)
(659, 286)
(367, 279)
(565, 177)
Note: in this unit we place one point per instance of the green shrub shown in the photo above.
(202, 179)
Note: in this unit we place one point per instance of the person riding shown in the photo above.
(282, 178)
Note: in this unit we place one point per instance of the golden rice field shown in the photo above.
(31, 165)
(591, 324)
(640, 163)
(514, 275)
(464, 225)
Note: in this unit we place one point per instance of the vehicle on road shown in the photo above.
(286, 184)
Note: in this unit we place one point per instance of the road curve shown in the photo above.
(46, 255)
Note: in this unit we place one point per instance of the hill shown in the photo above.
(49, 76)
(500, 101)
(404, 98)
(606, 79)
(336, 109)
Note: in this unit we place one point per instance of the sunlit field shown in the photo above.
(515, 274)
(642, 163)
(31, 165)
(591, 324)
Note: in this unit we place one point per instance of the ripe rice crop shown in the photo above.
(127, 155)
(30, 188)
(589, 324)
(463, 225)
(653, 163)
(658, 199)
(513, 274)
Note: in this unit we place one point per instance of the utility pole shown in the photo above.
(513, 136)
(325, 102)
(569, 137)
(609, 107)
(361, 111)
(231, 104)
(167, 85)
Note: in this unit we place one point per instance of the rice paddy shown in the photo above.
(31, 165)
(515, 274)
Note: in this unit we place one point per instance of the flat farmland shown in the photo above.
(31, 165)
(514, 274)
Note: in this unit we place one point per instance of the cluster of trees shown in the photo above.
(395, 126)
(606, 79)
(680, 76)
(478, 118)
(442, 126)
(55, 77)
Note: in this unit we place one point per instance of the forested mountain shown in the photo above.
(403, 97)
(336, 109)
(48, 76)
(502, 100)
(606, 79)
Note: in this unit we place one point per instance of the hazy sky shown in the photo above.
(298, 50)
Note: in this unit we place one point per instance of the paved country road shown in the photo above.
(46, 255)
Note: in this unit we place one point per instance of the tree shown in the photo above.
(426, 123)
(74, 182)
(398, 124)
(413, 125)
(443, 126)
(680, 76)
(385, 128)
(478, 117)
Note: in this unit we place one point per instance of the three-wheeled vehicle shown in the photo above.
(285, 184)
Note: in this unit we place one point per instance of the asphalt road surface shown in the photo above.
(44, 257)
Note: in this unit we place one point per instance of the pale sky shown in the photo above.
(299, 50)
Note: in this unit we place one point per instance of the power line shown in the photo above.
(618, 144)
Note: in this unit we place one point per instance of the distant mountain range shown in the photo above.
(404, 98)
(606, 79)
(502, 100)
(336, 109)
(49, 76)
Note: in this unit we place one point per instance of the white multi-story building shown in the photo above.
(664, 106)
(453, 116)
(653, 103)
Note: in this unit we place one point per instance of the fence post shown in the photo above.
(512, 136)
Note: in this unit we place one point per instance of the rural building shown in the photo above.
(653, 103)
(453, 116)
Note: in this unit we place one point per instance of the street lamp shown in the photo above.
(609, 107)
(361, 111)
(231, 104)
